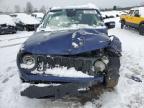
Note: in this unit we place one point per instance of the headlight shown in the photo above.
(28, 62)
(99, 66)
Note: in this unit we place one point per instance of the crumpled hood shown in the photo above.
(68, 42)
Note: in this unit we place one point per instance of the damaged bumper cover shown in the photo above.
(50, 69)
(62, 91)
(68, 86)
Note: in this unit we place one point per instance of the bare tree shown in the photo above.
(43, 9)
(29, 8)
(17, 8)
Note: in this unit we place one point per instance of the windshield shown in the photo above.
(72, 18)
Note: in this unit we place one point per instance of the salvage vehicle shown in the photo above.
(25, 22)
(7, 26)
(134, 19)
(72, 53)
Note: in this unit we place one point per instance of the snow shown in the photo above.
(75, 45)
(72, 27)
(13, 39)
(141, 11)
(112, 13)
(6, 19)
(26, 19)
(24, 66)
(127, 94)
(87, 6)
(64, 72)
(38, 14)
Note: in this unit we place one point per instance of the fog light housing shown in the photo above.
(28, 62)
(99, 66)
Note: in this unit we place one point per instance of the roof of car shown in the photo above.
(88, 6)
(25, 18)
(38, 14)
(6, 19)
(141, 10)
(138, 8)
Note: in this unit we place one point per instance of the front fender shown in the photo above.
(114, 48)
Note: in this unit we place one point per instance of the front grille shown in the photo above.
(79, 63)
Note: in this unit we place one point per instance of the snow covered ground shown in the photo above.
(127, 94)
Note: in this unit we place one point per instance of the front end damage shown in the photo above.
(87, 72)
(72, 73)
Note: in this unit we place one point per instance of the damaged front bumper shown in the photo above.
(62, 91)
(68, 85)
(65, 86)
(36, 78)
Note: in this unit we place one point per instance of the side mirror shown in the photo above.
(110, 25)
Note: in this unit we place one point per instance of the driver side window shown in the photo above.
(131, 12)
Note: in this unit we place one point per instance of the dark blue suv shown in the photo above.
(72, 53)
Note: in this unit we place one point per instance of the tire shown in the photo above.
(112, 74)
(110, 81)
(141, 29)
(122, 24)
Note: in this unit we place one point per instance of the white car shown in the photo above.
(7, 25)
(25, 22)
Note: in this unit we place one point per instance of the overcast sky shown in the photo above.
(8, 5)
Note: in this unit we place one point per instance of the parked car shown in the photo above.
(134, 19)
(111, 14)
(72, 52)
(25, 22)
(7, 25)
(38, 15)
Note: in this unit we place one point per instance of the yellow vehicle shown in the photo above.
(135, 19)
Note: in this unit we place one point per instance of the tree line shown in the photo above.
(29, 8)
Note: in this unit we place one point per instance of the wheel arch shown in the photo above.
(142, 22)
(123, 20)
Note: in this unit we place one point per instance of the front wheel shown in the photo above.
(112, 74)
(141, 29)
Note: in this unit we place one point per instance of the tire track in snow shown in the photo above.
(15, 38)
(11, 45)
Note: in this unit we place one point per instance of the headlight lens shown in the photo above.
(99, 66)
(28, 62)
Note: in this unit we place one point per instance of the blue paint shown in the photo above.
(60, 42)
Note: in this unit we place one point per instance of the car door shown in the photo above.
(137, 18)
(129, 18)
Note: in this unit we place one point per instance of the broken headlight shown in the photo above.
(100, 65)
